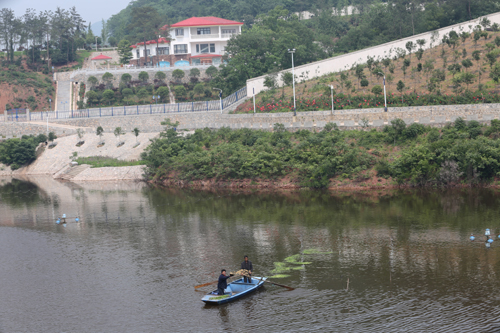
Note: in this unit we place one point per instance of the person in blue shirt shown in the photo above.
(222, 284)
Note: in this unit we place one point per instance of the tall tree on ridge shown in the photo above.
(145, 22)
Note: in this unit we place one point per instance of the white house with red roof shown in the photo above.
(195, 41)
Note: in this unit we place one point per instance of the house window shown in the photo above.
(179, 32)
(228, 31)
(205, 48)
(203, 31)
(182, 48)
(163, 50)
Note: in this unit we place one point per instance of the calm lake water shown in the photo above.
(391, 261)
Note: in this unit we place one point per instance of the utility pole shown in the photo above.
(292, 51)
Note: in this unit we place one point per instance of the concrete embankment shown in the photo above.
(56, 161)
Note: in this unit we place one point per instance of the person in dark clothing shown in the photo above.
(247, 264)
(222, 284)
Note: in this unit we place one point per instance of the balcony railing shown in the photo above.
(206, 36)
(229, 35)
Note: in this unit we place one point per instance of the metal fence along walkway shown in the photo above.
(22, 115)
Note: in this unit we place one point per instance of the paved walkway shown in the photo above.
(63, 98)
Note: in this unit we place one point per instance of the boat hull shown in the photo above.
(235, 290)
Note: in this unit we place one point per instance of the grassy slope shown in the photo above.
(414, 81)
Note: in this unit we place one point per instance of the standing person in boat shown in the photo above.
(247, 264)
(222, 284)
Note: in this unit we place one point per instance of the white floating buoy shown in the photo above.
(58, 221)
(487, 232)
(64, 216)
(490, 240)
(488, 245)
(64, 225)
(77, 219)
(472, 237)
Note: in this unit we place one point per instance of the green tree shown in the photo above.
(180, 91)
(92, 81)
(144, 24)
(466, 63)
(136, 132)
(194, 72)
(99, 131)
(127, 92)
(143, 93)
(118, 132)
(377, 90)
(164, 93)
(124, 51)
(211, 71)
(144, 76)
(364, 83)
(160, 76)
(400, 86)
(199, 89)
(495, 73)
(126, 78)
(108, 95)
(92, 97)
(112, 41)
(467, 78)
(178, 74)
(107, 78)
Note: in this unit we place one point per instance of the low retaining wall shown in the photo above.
(18, 129)
(427, 115)
(346, 119)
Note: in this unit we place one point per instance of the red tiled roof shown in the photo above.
(162, 40)
(101, 57)
(206, 56)
(202, 21)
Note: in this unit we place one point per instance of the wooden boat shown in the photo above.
(234, 290)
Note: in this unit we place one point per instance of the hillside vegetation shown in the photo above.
(22, 87)
(461, 153)
(464, 69)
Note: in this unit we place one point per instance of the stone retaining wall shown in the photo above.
(345, 119)
(427, 115)
(18, 129)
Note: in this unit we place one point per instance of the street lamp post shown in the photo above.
(96, 43)
(50, 103)
(331, 87)
(385, 97)
(220, 98)
(292, 51)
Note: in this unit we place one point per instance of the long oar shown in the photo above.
(209, 283)
(279, 285)
(205, 284)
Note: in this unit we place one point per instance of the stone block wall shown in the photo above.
(17, 129)
(345, 119)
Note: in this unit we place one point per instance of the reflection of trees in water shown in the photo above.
(20, 193)
(452, 202)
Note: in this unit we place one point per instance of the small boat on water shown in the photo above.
(234, 290)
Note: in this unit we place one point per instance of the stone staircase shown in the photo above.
(63, 96)
(73, 172)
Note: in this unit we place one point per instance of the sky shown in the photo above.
(90, 10)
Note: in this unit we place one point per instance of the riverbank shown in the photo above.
(57, 161)
(461, 153)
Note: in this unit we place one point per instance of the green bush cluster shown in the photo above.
(20, 152)
(312, 158)
(461, 152)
